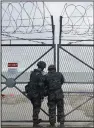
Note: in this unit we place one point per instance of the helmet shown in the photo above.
(51, 67)
(41, 64)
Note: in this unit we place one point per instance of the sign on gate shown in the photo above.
(12, 68)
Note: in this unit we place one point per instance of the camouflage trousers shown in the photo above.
(35, 99)
(36, 102)
(56, 100)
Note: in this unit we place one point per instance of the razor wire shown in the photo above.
(77, 21)
(25, 18)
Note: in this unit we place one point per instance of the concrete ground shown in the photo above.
(19, 108)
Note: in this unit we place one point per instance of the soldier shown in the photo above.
(36, 89)
(54, 81)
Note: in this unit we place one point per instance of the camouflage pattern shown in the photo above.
(54, 81)
(35, 93)
(36, 108)
(41, 64)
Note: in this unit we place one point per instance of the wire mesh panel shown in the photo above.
(27, 37)
(15, 105)
(78, 108)
(75, 54)
(24, 56)
(77, 68)
(76, 63)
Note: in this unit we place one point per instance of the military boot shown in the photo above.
(62, 125)
(35, 125)
(52, 125)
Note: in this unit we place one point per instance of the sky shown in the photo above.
(55, 9)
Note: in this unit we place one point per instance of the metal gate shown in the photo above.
(22, 108)
(17, 46)
(75, 59)
(78, 70)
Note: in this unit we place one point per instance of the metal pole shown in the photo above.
(78, 45)
(24, 45)
(58, 46)
(46, 121)
(1, 54)
(3, 76)
(4, 88)
(53, 27)
(10, 42)
(55, 54)
(60, 33)
(18, 82)
(57, 57)
(93, 63)
(76, 40)
(53, 32)
(54, 47)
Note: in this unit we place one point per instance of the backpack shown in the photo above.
(33, 75)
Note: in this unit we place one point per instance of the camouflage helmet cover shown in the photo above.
(41, 64)
(52, 67)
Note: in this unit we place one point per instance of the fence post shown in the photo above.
(60, 33)
(57, 57)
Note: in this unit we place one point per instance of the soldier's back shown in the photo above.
(36, 83)
(54, 80)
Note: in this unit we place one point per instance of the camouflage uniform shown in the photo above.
(54, 81)
(35, 92)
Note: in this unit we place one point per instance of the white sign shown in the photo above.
(12, 68)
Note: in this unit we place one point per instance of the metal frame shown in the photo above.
(4, 45)
(61, 46)
(93, 60)
(30, 45)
